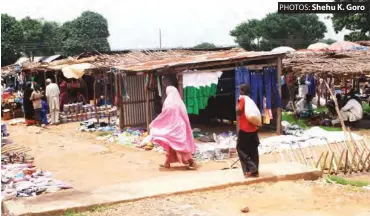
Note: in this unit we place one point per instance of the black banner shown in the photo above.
(323, 7)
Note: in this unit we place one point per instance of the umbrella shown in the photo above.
(283, 49)
(318, 46)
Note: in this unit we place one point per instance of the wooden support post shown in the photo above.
(180, 85)
(278, 111)
(105, 96)
(95, 106)
(147, 109)
(45, 78)
(120, 100)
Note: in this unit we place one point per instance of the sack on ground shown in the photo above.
(252, 112)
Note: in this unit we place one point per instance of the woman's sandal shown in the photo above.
(166, 166)
(192, 166)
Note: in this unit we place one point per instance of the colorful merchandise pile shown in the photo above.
(216, 147)
(24, 180)
(132, 136)
(92, 125)
(19, 178)
(78, 112)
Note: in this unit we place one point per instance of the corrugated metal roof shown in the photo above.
(50, 58)
(235, 54)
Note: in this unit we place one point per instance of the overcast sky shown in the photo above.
(134, 24)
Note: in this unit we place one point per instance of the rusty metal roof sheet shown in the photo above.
(225, 56)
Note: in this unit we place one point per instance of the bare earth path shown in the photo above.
(84, 162)
(282, 198)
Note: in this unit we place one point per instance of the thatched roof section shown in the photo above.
(364, 43)
(105, 61)
(344, 63)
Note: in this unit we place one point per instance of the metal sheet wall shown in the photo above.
(135, 108)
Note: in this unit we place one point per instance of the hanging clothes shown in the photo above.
(267, 114)
(271, 88)
(242, 76)
(310, 80)
(257, 89)
(198, 88)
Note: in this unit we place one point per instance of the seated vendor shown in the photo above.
(81, 98)
(352, 111)
(305, 107)
(102, 101)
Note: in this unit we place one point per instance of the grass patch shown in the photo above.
(104, 133)
(342, 181)
(290, 117)
(71, 213)
(97, 208)
(366, 107)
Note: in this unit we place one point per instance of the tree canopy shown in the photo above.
(205, 45)
(357, 23)
(11, 39)
(328, 41)
(33, 37)
(293, 30)
(89, 32)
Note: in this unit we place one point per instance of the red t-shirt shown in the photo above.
(244, 124)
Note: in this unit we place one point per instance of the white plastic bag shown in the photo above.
(252, 112)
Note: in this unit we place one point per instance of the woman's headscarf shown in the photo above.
(172, 127)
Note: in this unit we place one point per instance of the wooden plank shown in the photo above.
(147, 109)
(278, 118)
(180, 85)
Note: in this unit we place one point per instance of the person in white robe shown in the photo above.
(52, 93)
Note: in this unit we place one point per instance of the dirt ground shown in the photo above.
(81, 160)
(282, 198)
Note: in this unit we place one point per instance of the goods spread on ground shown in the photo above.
(79, 112)
(223, 146)
(19, 178)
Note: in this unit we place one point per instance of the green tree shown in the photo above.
(248, 34)
(328, 41)
(51, 41)
(358, 23)
(11, 39)
(89, 32)
(295, 30)
(33, 36)
(205, 45)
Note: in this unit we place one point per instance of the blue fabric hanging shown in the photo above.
(271, 88)
(242, 76)
(257, 89)
(275, 91)
(312, 85)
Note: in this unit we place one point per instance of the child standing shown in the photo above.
(44, 111)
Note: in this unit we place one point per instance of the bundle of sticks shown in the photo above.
(14, 153)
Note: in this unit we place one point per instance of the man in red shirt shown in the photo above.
(248, 141)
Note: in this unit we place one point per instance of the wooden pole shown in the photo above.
(105, 96)
(278, 118)
(120, 100)
(95, 107)
(147, 108)
(181, 85)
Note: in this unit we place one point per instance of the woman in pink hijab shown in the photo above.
(171, 129)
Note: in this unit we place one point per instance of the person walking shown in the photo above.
(248, 140)
(52, 94)
(171, 129)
